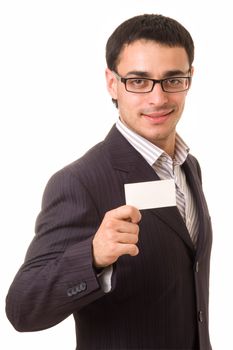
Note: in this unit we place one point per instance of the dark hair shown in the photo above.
(163, 30)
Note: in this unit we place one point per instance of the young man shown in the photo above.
(132, 280)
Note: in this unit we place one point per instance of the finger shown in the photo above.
(130, 249)
(127, 238)
(126, 212)
(127, 227)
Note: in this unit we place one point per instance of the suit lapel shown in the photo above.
(194, 181)
(125, 158)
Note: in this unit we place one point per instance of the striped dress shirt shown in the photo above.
(168, 168)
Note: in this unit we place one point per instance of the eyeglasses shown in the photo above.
(145, 85)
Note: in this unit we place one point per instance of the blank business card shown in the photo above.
(151, 194)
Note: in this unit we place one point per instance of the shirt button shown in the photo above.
(200, 316)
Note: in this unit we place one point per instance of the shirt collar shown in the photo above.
(148, 150)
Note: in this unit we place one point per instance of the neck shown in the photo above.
(167, 145)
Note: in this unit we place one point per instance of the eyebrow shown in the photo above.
(142, 74)
(169, 73)
(176, 72)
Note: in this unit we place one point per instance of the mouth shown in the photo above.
(157, 117)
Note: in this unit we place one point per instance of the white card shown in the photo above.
(151, 194)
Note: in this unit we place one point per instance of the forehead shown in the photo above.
(152, 57)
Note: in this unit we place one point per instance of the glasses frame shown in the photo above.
(155, 81)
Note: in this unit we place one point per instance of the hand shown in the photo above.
(116, 236)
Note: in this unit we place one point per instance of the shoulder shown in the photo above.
(75, 181)
(79, 168)
(98, 161)
(87, 171)
(96, 173)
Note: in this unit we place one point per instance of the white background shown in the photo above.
(54, 106)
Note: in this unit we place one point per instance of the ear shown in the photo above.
(192, 71)
(111, 81)
(191, 74)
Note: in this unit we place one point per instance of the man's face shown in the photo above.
(153, 115)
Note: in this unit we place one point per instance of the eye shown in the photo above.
(138, 83)
(174, 81)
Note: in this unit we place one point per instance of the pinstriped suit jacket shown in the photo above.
(159, 299)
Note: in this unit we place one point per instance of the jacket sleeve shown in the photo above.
(57, 277)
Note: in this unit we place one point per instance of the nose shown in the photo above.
(157, 95)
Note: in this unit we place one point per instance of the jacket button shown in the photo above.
(83, 286)
(200, 316)
(197, 267)
(79, 288)
(70, 292)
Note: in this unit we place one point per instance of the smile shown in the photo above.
(157, 117)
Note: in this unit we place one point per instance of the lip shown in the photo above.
(157, 117)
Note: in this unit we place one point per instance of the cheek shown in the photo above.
(181, 104)
(178, 101)
(129, 100)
